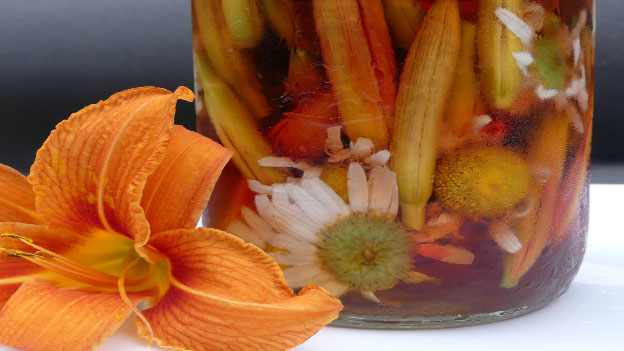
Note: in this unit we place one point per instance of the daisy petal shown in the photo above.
(258, 187)
(357, 188)
(325, 195)
(394, 203)
(264, 207)
(293, 259)
(92, 169)
(334, 287)
(504, 236)
(573, 89)
(226, 294)
(523, 60)
(333, 143)
(339, 156)
(523, 208)
(243, 231)
(300, 275)
(293, 244)
(417, 278)
(369, 295)
(311, 206)
(517, 26)
(362, 148)
(41, 317)
(578, 90)
(312, 172)
(576, 120)
(280, 162)
(290, 220)
(177, 192)
(283, 216)
(380, 190)
(544, 93)
(17, 200)
(478, 122)
(259, 225)
(576, 45)
(379, 158)
(580, 24)
(279, 196)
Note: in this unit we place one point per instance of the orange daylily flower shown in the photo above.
(106, 220)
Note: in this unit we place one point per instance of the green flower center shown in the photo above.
(368, 252)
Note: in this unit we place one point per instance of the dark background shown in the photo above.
(57, 56)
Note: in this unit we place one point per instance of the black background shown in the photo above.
(57, 56)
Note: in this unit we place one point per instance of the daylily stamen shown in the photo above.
(77, 270)
(68, 272)
(59, 264)
(15, 236)
(42, 251)
(42, 261)
(13, 253)
(124, 296)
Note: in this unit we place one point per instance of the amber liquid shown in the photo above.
(475, 289)
(460, 289)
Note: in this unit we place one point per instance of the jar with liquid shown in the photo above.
(424, 161)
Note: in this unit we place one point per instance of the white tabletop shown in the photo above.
(588, 317)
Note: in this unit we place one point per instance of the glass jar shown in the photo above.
(424, 161)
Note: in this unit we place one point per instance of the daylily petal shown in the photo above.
(226, 294)
(41, 317)
(7, 290)
(17, 200)
(177, 192)
(92, 169)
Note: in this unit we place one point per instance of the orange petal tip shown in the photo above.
(184, 93)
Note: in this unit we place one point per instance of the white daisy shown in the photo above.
(525, 31)
(326, 241)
